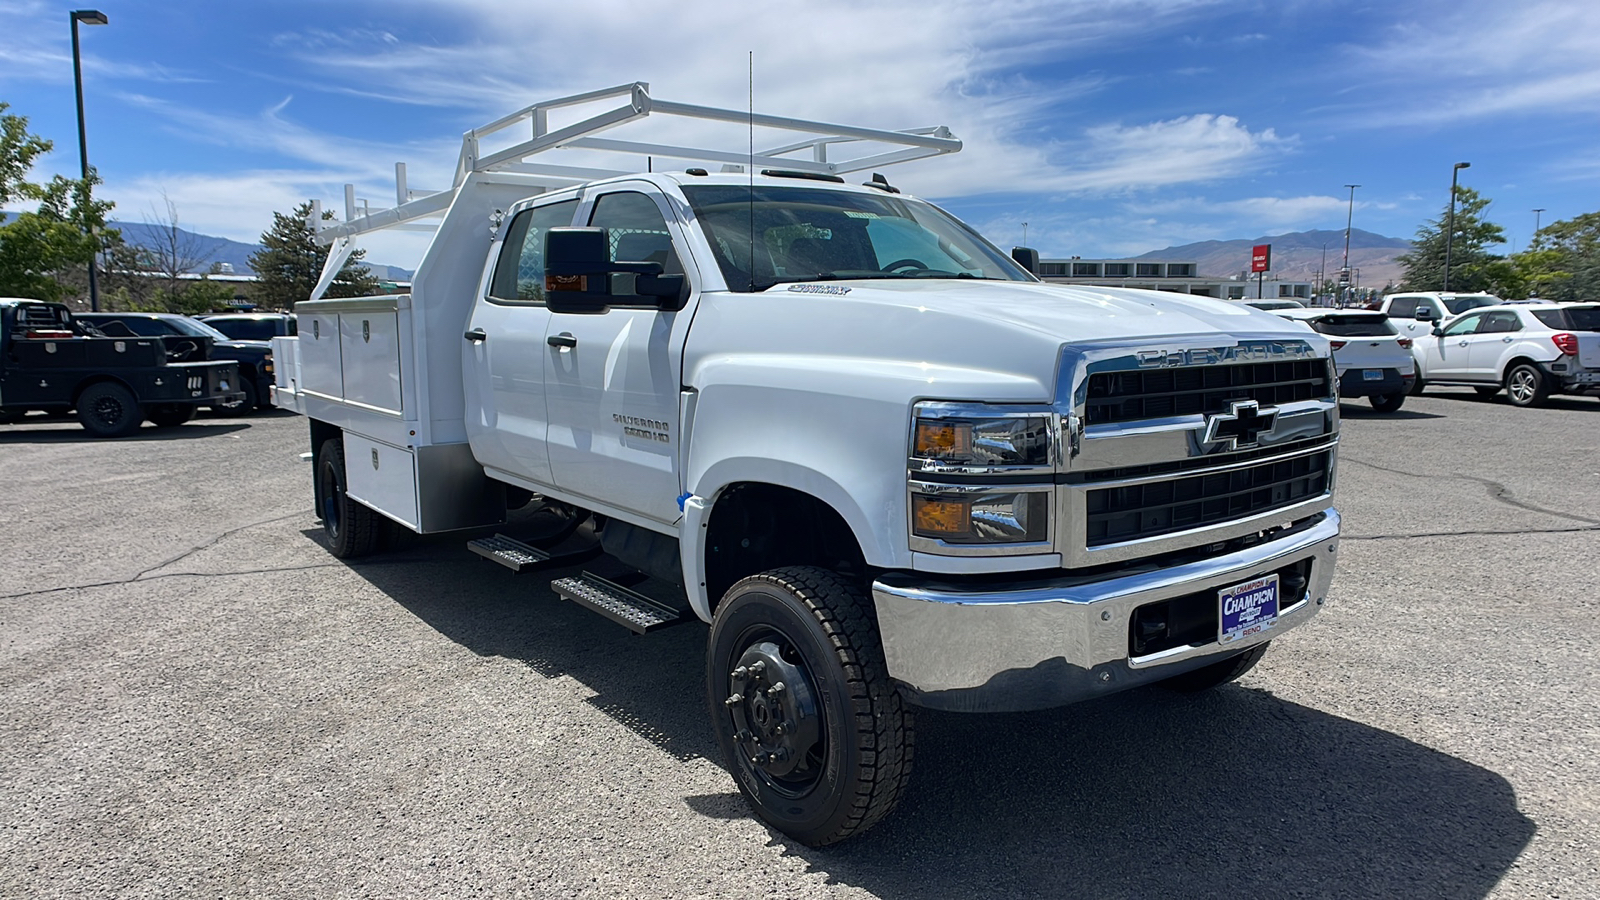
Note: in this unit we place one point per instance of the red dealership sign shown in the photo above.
(1261, 258)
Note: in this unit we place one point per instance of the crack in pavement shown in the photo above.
(1429, 534)
(1497, 492)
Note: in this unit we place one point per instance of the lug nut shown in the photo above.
(740, 673)
(742, 736)
(778, 729)
(734, 699)
(777, 688)
(757, 667)
(781, 754)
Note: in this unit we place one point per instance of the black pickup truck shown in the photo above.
(50, 362)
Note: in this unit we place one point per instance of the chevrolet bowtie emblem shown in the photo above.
(1244, 421)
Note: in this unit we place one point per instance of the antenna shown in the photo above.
(750, 170)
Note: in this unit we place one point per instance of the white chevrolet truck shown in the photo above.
(885, 463)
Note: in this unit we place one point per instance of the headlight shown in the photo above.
(997, 441)
(980, 518)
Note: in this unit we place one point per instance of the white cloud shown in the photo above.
(1471, 61)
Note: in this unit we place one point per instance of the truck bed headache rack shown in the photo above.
(822, 148)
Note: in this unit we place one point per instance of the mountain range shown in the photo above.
(1298, 256)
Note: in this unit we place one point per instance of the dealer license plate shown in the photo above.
(1247, 609)
(1371, 374)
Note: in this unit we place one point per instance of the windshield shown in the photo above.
(197, 328)
(809, 234)
(1459, 305)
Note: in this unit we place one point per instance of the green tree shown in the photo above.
(1563, 261)
(290, 262)
(1471, 263)
(67, 228)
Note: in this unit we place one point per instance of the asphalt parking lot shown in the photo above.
(196, 699)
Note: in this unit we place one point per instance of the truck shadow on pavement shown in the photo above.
(72, 433)
(1235, 793)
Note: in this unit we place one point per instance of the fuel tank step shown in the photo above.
(520, 557)
(629, 608)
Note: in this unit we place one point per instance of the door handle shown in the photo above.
(561, 340)
(1506, 340)
(476, 336)
(1463, 343)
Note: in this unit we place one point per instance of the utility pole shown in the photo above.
(1344, 269)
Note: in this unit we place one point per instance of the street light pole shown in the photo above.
(87, 17)
(1535, 223)
(1450, 228)
(1322, 272)
(1344, 270)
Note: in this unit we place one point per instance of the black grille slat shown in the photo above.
(1131, 512)
(1202, 390)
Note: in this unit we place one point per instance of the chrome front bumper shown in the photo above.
(1050, 643)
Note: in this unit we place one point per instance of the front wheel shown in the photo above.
(811, 728)
(1527, 386)
(1218, 673)
(1387, 403)
(352, 529)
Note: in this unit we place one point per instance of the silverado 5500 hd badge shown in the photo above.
(649, 429)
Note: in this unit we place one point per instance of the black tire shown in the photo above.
(1387, 403)
(1417, 385)
(241, 407)
(1218, 673)
(1527, 386)
(1487, 391)
(170, 415)
(108, 409)
(351, 528)
(828, 756)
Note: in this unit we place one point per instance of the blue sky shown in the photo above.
(1111, 127)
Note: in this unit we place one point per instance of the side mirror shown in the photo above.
(1027, 257)
(1424, 314)
(1437, 331)
(579, 274)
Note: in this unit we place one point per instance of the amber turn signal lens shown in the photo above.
(933, 516)
(942, 440)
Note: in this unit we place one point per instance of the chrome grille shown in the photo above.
(1130, 396)
(1132, 512)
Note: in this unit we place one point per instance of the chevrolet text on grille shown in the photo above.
(1210, 356)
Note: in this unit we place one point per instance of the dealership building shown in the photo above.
(1180, 276)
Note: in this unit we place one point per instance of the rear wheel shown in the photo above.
(1387, 403)
(812, 729)
(1526, 385)
(168, 415)
(351, 528)
(1417, 384)
(108, 409)
(1217, 674)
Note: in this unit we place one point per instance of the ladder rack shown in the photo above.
(828, 146)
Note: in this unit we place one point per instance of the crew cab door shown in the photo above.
(504, 357)
(1445, 357)
(614, 377)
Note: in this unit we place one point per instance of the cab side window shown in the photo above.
(519, 272)
(1403, 308)
(638, 233)
(1464, 325)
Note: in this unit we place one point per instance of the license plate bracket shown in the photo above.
(1371, 374)
(1248, 608)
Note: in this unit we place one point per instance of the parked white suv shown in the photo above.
(1531, 349)
(1416, 313)
(1371, 358)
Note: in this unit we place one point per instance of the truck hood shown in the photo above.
(998, 341)
(1051, 310)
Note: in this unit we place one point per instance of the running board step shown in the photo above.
(520, 557)
(628, 608)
